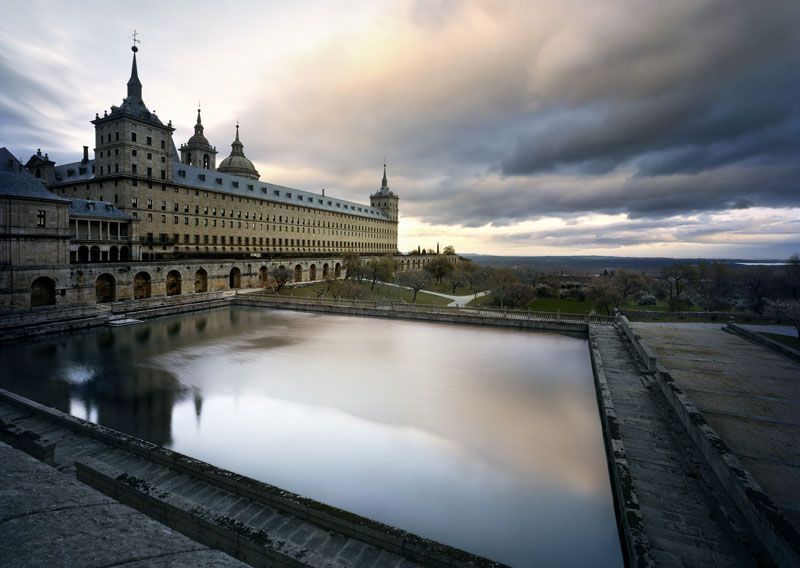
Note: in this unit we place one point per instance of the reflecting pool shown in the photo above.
(485, 439)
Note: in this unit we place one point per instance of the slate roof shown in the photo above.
(87, 170)
(254, 189)
(228, 184)
(25, 186)
(9, 162)
(96, 210)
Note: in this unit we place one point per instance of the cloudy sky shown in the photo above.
(622, 127)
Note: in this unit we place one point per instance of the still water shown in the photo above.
(485, 439)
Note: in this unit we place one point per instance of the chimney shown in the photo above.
(85, 154)
(323, 192)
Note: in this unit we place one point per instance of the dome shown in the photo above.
(237, 163)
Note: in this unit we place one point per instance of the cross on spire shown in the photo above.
(134, 36)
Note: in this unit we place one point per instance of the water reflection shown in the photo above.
(485, 439)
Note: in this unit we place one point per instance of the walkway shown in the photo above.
(679, 499)
(50, 519)
(747, 393)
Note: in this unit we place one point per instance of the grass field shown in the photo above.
(381, 292)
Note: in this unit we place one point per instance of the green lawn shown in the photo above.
(566, 306)
(381, 292)
(445, 289)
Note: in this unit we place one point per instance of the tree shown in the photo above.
(281, 275)
(628, 283)
(352, 290)
(791, 277)
(520, 295)
(676, 278)
(439, 267)
(712, 283)
(449, 249)
(460, 276)
(500, 281)
(382, 269)
(414, 279)
(604, 294)
(785, 311)
(354, 269)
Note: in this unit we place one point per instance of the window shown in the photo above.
(133, 169)
(134, 202)
(116, 136)
(163, 146)
(236, 184)
(40, 218)
(163, 205)
(149, 172)
(134, 152)
(149, 141)
(149, 156)
(163, 159)
(175, 219)
(133, 137)
(163, 218)
(150, 217)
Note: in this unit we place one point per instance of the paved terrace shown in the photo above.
(50, 519)
(675, 512)
(749, 395)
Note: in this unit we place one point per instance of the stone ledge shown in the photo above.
(29, 442)
(626, 502)
(762, 340)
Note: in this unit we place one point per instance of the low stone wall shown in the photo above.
(775, 533)
(629, 517)
(714, 316)
(645, 354)
(765, 341)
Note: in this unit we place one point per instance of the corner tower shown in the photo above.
(197, 151)
(132, 141)
(385, 199)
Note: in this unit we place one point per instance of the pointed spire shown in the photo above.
(198, 128)
(237, 146)
(134, 85)
(384, 182)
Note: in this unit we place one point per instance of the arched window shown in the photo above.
(201, 281)
(173, 283)
(206, 161)
(298, 273)
(43, 292)
(105, 288)
(141, 286)
(235, 278)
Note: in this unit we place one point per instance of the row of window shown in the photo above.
(260, 241)
(134, 138)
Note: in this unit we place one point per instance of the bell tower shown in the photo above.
(385, 199)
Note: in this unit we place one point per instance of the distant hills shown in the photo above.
(596, 264)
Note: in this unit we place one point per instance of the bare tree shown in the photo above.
(382, 269)
(785, 311)
(414, 279)
(604, 294)
(281, 275)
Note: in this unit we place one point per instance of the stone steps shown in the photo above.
(220, 509)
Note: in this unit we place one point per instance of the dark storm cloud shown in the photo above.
(730, 93)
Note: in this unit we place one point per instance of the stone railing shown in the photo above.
(401, 308)
(713, 316)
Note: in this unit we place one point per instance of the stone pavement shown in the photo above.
(747, 393)
(49, 519)
(688, 519)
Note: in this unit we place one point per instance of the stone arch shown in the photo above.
(337, 271)
(325, 270)
(142, 286)
(298, 273)
(124, 253)
(312, 272)
(235, 278)
(43, 292)
(174, 281)
(201, 281)
(105, 288)
(263, 276)
(83, 253)
(94, 254)
(113, 253)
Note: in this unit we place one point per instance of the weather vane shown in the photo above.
(135, 40)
